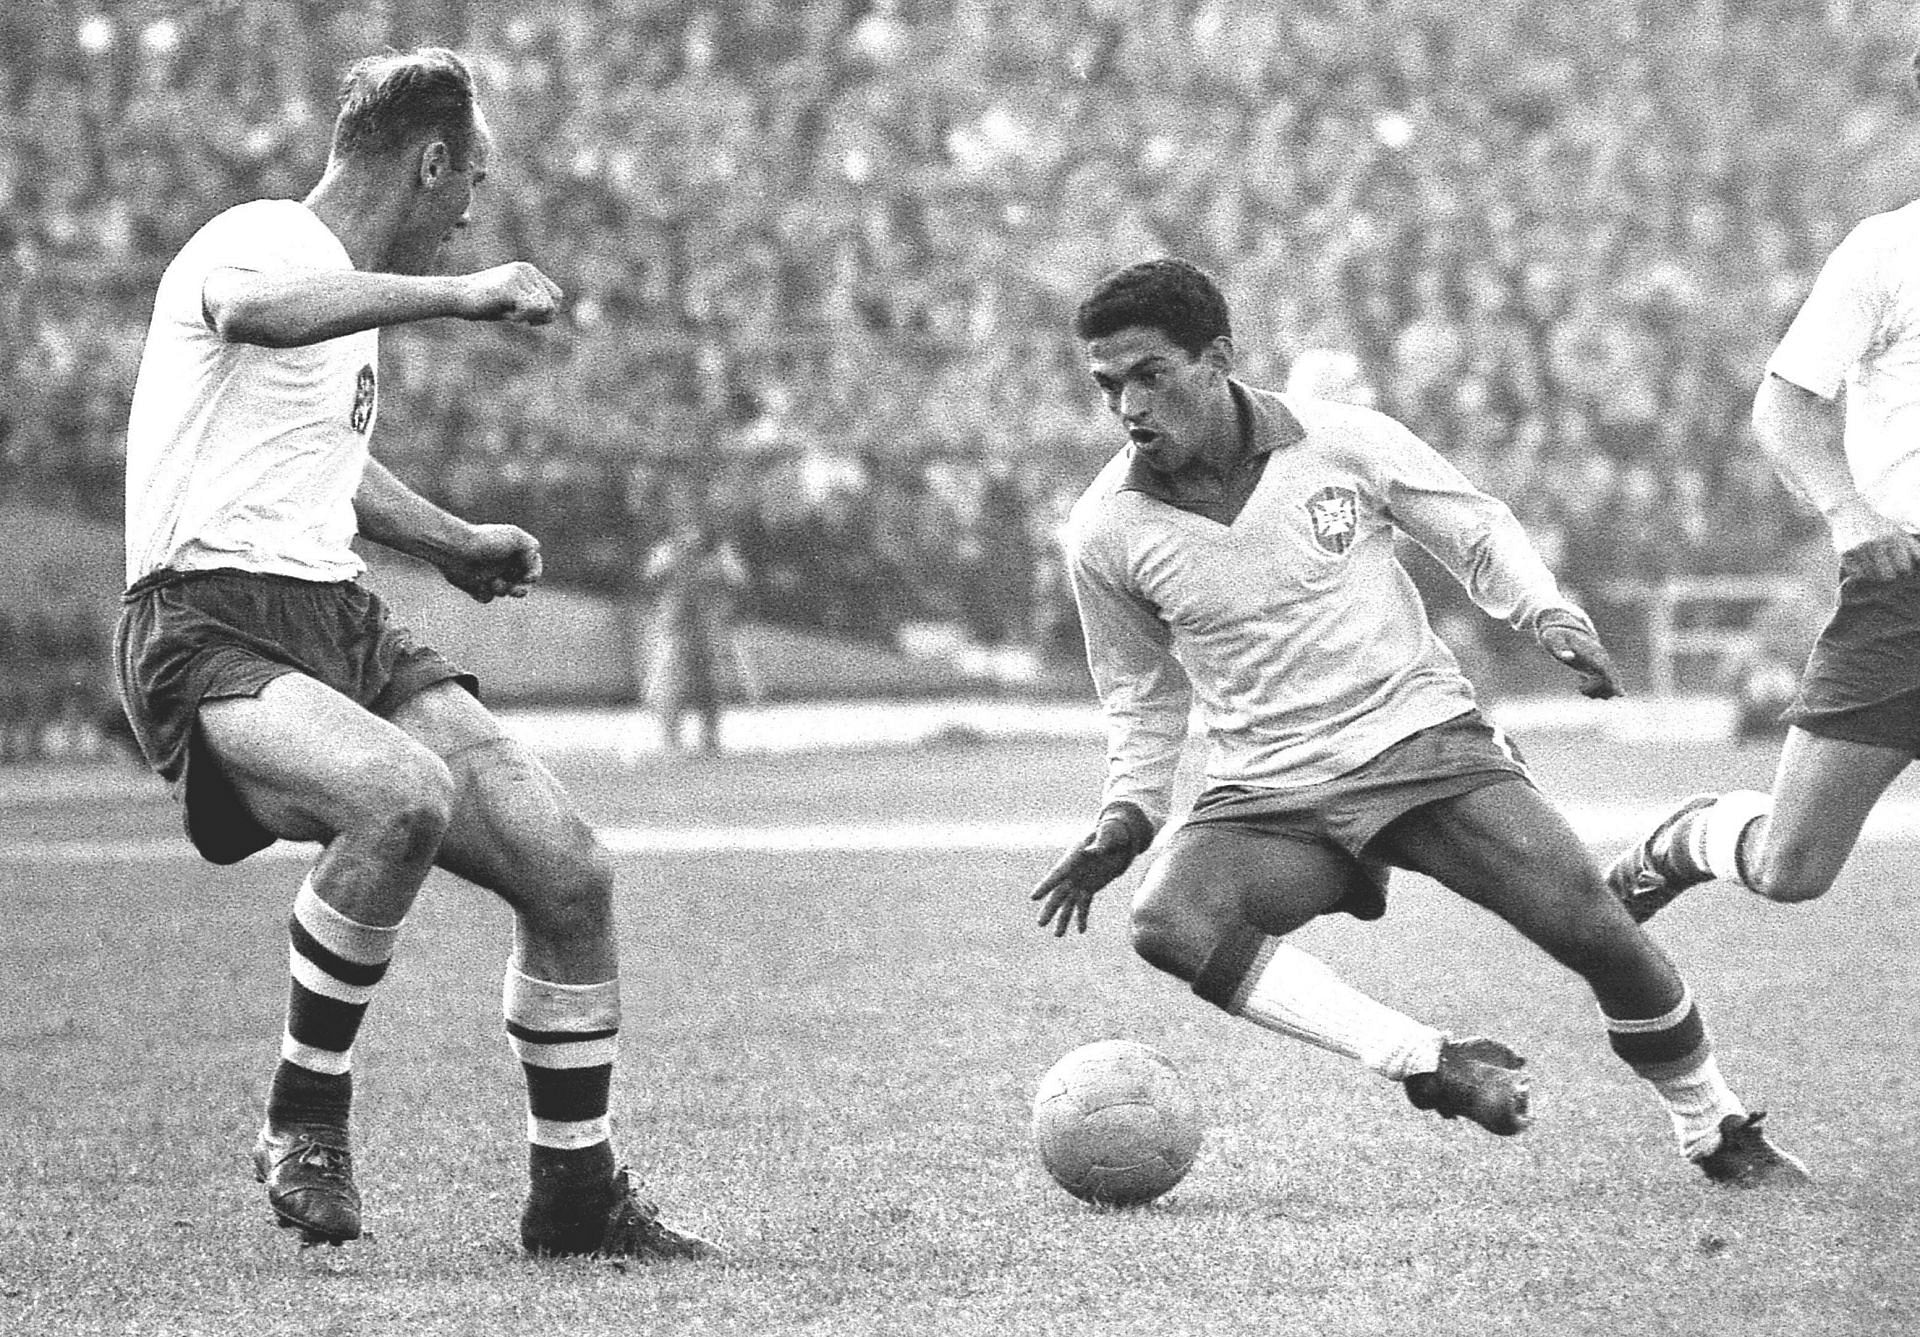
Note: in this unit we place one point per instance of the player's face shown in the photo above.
(445, 204)
(1174, 405)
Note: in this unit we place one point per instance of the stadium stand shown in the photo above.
(821, 256)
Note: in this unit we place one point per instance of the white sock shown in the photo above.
(1698, 1100)
(1688, 1082)
(1717, 838)
(1297, 995)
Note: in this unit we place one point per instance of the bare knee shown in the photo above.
(1172, 937)
(574, 900)
(404, 808)
(1790, 880)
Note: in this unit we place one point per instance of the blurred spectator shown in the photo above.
(693, 577)
(1331, 373)
(1764, 675)
(1559, 241)
(56, 700)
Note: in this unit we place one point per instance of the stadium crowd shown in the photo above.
(821, 255)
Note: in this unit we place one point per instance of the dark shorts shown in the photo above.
(1862, 681)
(186, 638)
(1343, 815)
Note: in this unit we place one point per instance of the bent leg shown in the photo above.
(1823, 791)
(1506, 848)
(309, 764)
(1213, 910)
(515, 831)
(1216, 880)
(1788, 846)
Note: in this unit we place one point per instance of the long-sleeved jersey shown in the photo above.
(1296, 626)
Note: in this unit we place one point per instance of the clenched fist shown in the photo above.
(517, 293)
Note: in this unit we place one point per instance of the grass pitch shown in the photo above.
(828, 1059)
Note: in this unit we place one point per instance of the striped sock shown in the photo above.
(566, 1037)
(1280, 988)
(1674, 1053)
(335, 963)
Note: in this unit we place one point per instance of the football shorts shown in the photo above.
(1862, 681)
(1342, 816)
(188, 637)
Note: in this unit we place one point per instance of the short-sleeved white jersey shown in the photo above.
(239, 455)
(1860, 328)
(1295, 626)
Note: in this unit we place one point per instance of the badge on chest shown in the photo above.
(1334, 513)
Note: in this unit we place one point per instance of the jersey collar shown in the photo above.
(1266, 425)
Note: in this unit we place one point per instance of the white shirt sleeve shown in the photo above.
(1840, 320)
(240, 238)
(1474, 535)
(1145, 694)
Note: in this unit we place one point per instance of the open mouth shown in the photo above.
(1142, 436)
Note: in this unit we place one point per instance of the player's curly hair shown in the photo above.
(391, 100)
(1174, 296)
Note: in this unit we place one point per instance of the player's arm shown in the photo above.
(1482, 543)
(1146, 699)
(487, 561)
(1803, 435)
(1798, 413)
(290, 308)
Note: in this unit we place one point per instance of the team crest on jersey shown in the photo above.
(363, 398)
(1335, 514)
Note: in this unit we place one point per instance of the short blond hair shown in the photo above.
(390, 101)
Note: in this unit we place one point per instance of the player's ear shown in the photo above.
(436, 161)
(1218, 354)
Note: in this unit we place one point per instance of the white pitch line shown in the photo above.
(1601, 825)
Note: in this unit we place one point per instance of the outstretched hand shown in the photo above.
(1068, 889)
(497, 561)
(1581, 651)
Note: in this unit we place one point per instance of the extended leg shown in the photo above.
(515, 832)
(1213, 912)
(1788, 846)
(1506, 848)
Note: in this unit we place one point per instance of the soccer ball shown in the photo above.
(1114, 1123)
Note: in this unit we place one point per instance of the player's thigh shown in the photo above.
(1505, 847)
(514, 830)
(1216, 879)
(1823, 791)
(309, 763)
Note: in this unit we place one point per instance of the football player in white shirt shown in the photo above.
(1240, 551)
(1838, 414)
(274, 692)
